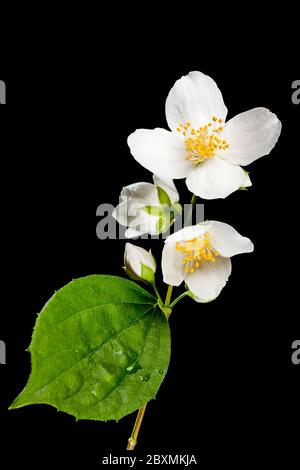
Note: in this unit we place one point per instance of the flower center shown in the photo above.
(204, 142)
(196, 252)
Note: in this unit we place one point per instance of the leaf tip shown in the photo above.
(13, 406)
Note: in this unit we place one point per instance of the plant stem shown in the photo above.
(190, 214)
(169, 295)
(179, 298)
(158, 294)
(132, 441)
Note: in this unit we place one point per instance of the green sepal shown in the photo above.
(177, 208)
(147, 273)
(163, 196)
(155, 211)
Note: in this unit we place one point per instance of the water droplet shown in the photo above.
(93, 392)
(161, 371)
(133, 367)
(145, 377)
(118, 353)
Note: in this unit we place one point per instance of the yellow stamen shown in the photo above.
(196, 252)
(202, 143)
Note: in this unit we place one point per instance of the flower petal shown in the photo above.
(120, 213)
(207, 281)
(247, 181)
(215, 178)
(194, 98)
(127, 211)
(168, 186)
(132, 233)
(144, 193)
(251, 135)
(171, 263)
(161, 152)
(144, 222)
(187, 233)
(227, 241)
(135, 256)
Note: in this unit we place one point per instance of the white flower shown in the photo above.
(200, 256)
(201, 146)
(147, 208)
(139, 263)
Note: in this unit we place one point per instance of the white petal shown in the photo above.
(144, 222)
(171, 263)
(187, 233)
(251, 135)
(214, 178)
(160, 151)
(195, 98)
(247, 181)
(127, 211)
(135, 256)
(207, 281)
(144, 193)
(227, 241)
(134, 197)
(132, 233)
(120, 213)
(168, 186)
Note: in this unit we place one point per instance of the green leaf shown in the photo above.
(100, 349)
(163, 196)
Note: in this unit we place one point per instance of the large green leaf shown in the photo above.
(100, 349)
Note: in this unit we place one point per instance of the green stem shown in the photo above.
(190, 214)
(160, 300)
(132, 441)
(168, 297)
(179, 298)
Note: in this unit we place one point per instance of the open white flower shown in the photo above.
(139, 263)
(147, 208)
(200, 256)
(201, 146)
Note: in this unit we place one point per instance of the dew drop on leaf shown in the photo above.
(118, 353)
(133, 367)
(145, 377)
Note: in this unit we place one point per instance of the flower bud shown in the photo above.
(148, 208)
(139, 264)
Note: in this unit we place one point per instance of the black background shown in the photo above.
(231, 395)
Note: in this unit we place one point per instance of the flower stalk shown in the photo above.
(166, 309)
(132, 441)
(181, 296)
(190, 214)
(168, 296)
